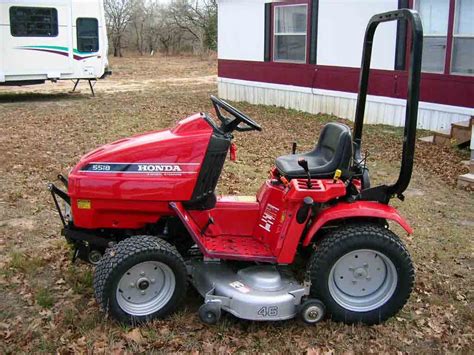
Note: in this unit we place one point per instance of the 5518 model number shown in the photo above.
(100, 167)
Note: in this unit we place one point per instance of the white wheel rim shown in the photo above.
(145, 288)
(313, 314)
(362, 280)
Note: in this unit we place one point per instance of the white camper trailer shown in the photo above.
(52, 40)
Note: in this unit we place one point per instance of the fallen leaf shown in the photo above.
(135, 335)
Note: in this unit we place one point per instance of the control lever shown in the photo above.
(304, 164)
(293, 148)
(303, 211)
(208, 224)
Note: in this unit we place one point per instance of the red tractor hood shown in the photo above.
(168, 146)
(145, 166)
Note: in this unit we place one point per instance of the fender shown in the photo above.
(346, 210)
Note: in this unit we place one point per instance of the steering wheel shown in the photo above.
(231, 124)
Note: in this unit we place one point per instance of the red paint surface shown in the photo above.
(231, 217)
(321, 190)
(455, 90)
(123, 200)
(244, 231)
(233, 247)
(344, 210)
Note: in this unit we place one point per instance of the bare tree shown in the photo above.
(138, 23)
(119, 14)
(148, 25)
(199, 18)
(169, 35)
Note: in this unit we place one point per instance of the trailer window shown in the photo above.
(33, 21)
(434, 15)
(290, 33)
(463, 42)
(87, 34)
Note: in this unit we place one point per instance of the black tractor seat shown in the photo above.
(333, 151)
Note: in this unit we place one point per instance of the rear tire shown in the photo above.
(140, 279)
(362, 272)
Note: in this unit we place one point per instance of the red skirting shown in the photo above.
(454, 90)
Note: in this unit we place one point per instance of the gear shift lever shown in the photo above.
(304, 164)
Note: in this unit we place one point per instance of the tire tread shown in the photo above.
(122, 251)
(338, 239)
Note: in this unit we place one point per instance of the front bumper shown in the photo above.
(86, 243)
(56, 192)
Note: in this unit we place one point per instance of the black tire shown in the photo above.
(122, 257)
(312, 311)
(348, 239)
(210, 313)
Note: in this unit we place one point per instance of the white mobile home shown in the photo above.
(52, 40)
(306, 54)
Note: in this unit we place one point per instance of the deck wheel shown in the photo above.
(210, 313)
(312, 311)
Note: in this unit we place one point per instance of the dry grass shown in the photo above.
(47, 303)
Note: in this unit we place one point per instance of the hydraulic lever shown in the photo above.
(208, 224)
(304, 164)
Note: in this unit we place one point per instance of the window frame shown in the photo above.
(434, 35)
(54, 12)
(450, 37)
(77, 34)
(454, 36)
(275, 34)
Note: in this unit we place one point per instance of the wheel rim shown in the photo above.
(145, 288)
(313, 314)
(362, 280)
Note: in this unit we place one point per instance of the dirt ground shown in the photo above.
(47, 303)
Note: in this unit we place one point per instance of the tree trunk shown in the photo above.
(119, 45)
(139, 38)
(116, 52)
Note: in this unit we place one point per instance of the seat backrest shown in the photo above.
(335, 145)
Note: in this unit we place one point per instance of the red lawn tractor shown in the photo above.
(144, 211)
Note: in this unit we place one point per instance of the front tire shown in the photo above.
(140, 279)
(362, 272)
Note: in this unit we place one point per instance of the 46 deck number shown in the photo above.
(268, 311)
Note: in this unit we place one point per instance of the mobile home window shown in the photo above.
(290, 32)
(462, 61)
(87, 34)
(434, 15)
(33, 21)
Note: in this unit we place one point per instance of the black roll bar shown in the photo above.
(384, 193)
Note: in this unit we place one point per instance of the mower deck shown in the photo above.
(261, 292)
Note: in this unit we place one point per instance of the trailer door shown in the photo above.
(38, 40)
